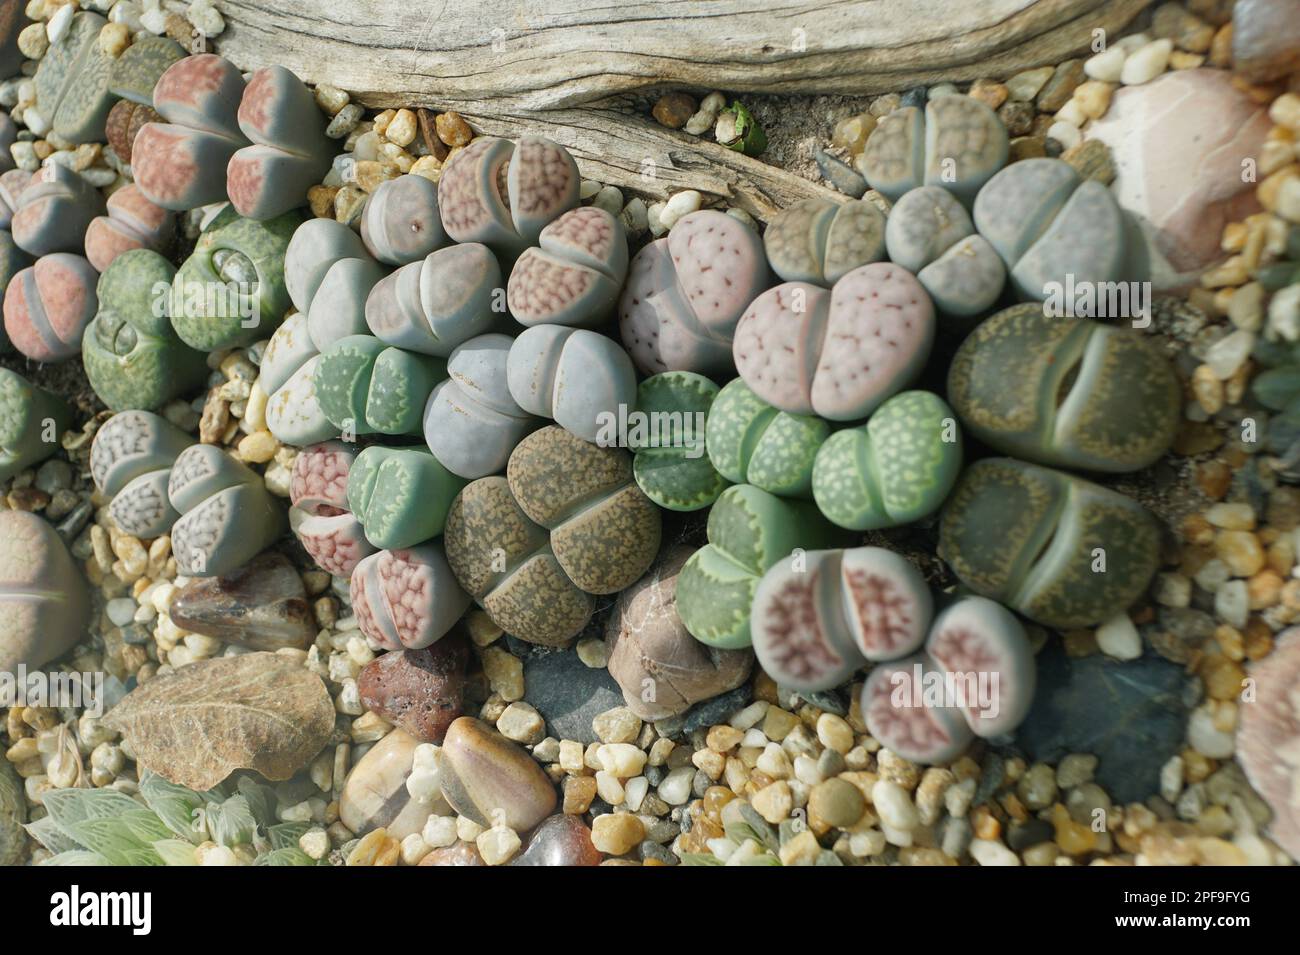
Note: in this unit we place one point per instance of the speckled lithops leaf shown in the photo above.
(198, 725)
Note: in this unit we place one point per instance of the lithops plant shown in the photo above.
(49, 305)
(686, 292)
(471, 423)
(400, 495)
(401, 223)
(895, 469)
(1070, 393)
(227, 516)
(12, 184)
(575, 273)
(131, 460)
(1056, 548)
(957, 143)
(819, 241)
(576, 377)
(125, 120)
(132, 355)
(318, 490)
(671, 464)
(138, 68)
(13, 805)
(31, 423)
(749, 531)
(72, 82)
(503, 194)
(1269, 727)
(289, 152)
(132, 222)
(931, 234)
(12, 261)
(836, 354)
(54, 211)
(43, 600)
(751, 442)
(364, 386)
(434, 305)
(231, 290)
(566, 523)
(407, 599)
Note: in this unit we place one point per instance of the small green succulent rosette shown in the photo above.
(400, 495)
(895, 469)
(671, 465)
(365, 386)
(31, 421)
(751, 442)
(132, 355)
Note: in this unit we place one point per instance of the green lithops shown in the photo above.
(750, 442)
(365, 386)
(1065, 392)
(135, 73)
(31, 421)
(1056, 548)
(72, 81)
(400, 495)
(132, 355)
(671, 465)
(895, 469)
(749, 531)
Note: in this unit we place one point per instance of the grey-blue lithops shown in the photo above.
(131, 461)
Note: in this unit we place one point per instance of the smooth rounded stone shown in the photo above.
(54, 211)
(1066, 392)
(49, 305)
(561, 840)
(434, 305)
(131, 460)
(262, 605)
(420, 691)
(1265, 40)
(957, 143)
(13, 20)
(231, 290)
(132, 222)
(839, 174)
(670, 460)
(1060, 550)
(819, 241)
(132, 355)
(660, 667)
(407, 598)
(569, 694)
(319, 517)
(136, 71)
(576, 377)
(574, 275)
(462, 853)
(897, 468)
(678, 311)
(375, 795)
(837, 354)
(751, 442)
(400, 223)
(364, 386)
(72, 82)
(44, 604)
(31, 423)
(836, 802)
(471, 423)
(749, 530)
(1266, 736)
(400, 495)
(492, 781)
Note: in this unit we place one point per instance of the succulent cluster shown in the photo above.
(44, 604)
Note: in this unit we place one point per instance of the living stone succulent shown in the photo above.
(1060, 550)
(12, 261)
(400, 495)
(749, 531)
(503, 194)
(138, 68)
(131, 460)
(401, 223)
(49, 305)
(1065, 392)
(957, 143)
(72, 82)
(364, 386)
(567, 522)
(575, 273)
(132, 355)
(407, 598)
(132, 222)
(13, 802)
(12, 184)
(44, 606)
(53, 212)
(576, 377)
(895, 469)
(837, 353)
(679, 310)
(433, 305)
(318, 490)
(751, 442)
(227, 516)
(31, 423)
(819, 241)
(125, 120)
(671, 463)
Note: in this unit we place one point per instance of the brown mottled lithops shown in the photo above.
(819, 241)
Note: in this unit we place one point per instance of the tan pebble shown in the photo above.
(452, 129)
(1241, 551)
(1093, 97)
(773, 802)
(258, 447)
(723, 738)
(427, 166)
(616, 833)
(383, 119)
(1221, 47)
(321, 200)
(114, 38)
(1285, 111)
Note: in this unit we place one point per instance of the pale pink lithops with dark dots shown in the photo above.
(48, 306)
(130, 461)
(893, 706)
(574, 277)
(407, 598)
(401, 223)
(318, 491)
(838, 354)
(1268, 735)
(133, 222)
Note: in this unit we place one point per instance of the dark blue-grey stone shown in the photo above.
(1022, 835)
(653, 850)
(568, 693)
(916, 96)
(654, 775)
(717, 710)
(840, 174)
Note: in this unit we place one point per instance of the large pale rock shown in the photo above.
(492, 780)
(375, 793)
(1266, 38)
(262, 605)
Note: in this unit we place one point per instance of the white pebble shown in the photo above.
(60, 23)
(1283, 308)
(1206, 738)
(989, 852)
(1065, 134)
(439, 831)
(206, 18)
(610, 199)
(680, 204)
(35, 121)
(676, 786)
(1232, 603)
(1229, 353)
(1072, 113)
(1147, 63)
(635, 791)
(155, 21)
(653, 221)
(894, 806)
(498, 845)
(1118, 638)
(1106, 65)
(749, 716)
(1131, 44)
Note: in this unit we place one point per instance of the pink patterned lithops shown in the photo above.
(133, 222)
(837, 354)
(575, 276)
(319, 517)
(12, 184)
(407, 598)
(1268, 736)
(53, 212)
(401, 223)
(435, 305)
(886, 602)
(48, 306)
(686, 292)
(897, 714)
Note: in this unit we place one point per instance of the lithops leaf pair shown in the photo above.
(751, 442)
(43, 600)
(227, 516)
(577, 378)
(1070, 393)
(132, 355)
(54, 211)
(138, 68)
(433, 305)
(895, 469)
(503, 194)
(132, 222)
(364, 386)
(407, 599)
(400, 495)
(957, 143)
(749, 531)
(401, 223)
(836, 354)
(318, 491)
(31, 422)
(686, 292)
(49, 305)
(819, 241)
(668, 438)
(12, 184)
(131, 460)
(574, 274)
(72, 82)
(1060, 550)
(125, 120)
(567, 522)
